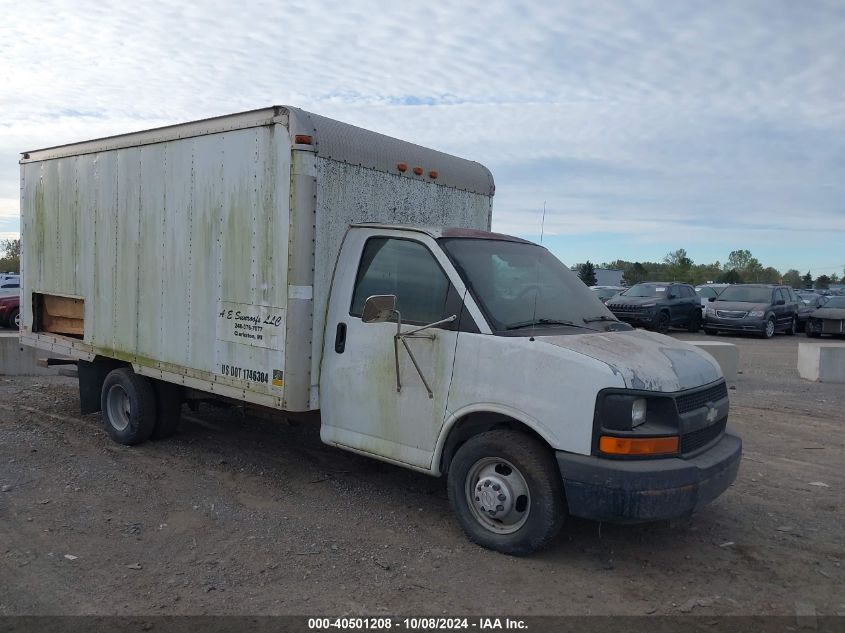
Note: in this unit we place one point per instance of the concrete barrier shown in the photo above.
(19, 360)
(726, 354)
(822, 362)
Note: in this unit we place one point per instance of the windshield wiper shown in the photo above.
(536, 322)
(601, 317)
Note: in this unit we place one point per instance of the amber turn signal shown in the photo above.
(638, 446)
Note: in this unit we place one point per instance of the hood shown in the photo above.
(645, 360)
(746, 306)
(828, 313)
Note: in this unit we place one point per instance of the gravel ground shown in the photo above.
(237, 515)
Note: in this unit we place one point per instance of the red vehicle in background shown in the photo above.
(10, 311)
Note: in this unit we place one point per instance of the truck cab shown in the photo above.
(482, 357)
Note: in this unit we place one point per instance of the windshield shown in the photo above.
(646, 290)
(521, 285)
(835, 302)
(747, 294)
(605, 293)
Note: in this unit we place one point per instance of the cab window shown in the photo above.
(407, 269)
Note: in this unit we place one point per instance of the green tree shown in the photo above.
(822, 282)
(731, 277)
(634, 274)
(792, 278)
(678, 265)
(807, 280)
(587, 273)
(11, 260)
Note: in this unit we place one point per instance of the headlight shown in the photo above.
(638, 411)
(756, 313)
(710, 310)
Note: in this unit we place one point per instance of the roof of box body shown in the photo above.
(331, 139)
(443, 232)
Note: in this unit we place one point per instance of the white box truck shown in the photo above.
(291, 262)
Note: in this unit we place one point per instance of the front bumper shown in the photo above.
(631, 491)
(645, 318)
(745, 324)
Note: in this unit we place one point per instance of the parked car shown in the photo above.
(658, 305)
(606, 292)
(10, 311)
(756, 308)
(706, 291)
(829, 319)
(807, 303)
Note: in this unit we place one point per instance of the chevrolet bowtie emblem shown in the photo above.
(712, 414)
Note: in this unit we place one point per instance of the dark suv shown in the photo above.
(658, 305)
(758, 308)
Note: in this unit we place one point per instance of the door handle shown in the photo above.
(340, 338)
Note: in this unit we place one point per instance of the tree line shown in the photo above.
(741, 267)
(10, 262)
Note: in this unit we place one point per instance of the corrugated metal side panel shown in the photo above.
(159, 240)
(348, 194)
(350, 144)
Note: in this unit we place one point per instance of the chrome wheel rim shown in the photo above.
(770, 328)
(118, 407)
(17, 320)
(497, 495)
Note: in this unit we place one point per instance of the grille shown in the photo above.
(695, 440)
(731, 314)
(618, 307)
(700, 398)
(829, 326)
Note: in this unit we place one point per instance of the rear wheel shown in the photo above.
(506, 491)
(15, 319)
(129, 406)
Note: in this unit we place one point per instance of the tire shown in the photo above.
(662, 325)
(793, 327)
(534, 508)
(168, 409)
(710, 332)
(769, 328)
(14, 321)
(129, 406)
(810, 331)
(694, 322)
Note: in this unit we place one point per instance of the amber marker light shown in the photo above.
(303, 139)
(402, 167)
(638, 446)
(433, 174)
(418, 171)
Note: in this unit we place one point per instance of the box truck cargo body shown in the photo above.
(289, 262)
(203, 253)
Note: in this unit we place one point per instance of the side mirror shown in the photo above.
(379, 308)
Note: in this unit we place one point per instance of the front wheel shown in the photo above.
(506, 491)
(662, 325)
(793, 327)
(769, 328)
(810, 330)
(695, 321)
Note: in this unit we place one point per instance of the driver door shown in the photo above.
(362, 407)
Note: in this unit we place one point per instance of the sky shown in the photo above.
(640, 127)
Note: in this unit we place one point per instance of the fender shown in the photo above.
(485, 407)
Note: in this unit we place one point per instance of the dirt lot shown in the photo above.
(241, 516)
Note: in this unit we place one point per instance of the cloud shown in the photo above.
(686, 121)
